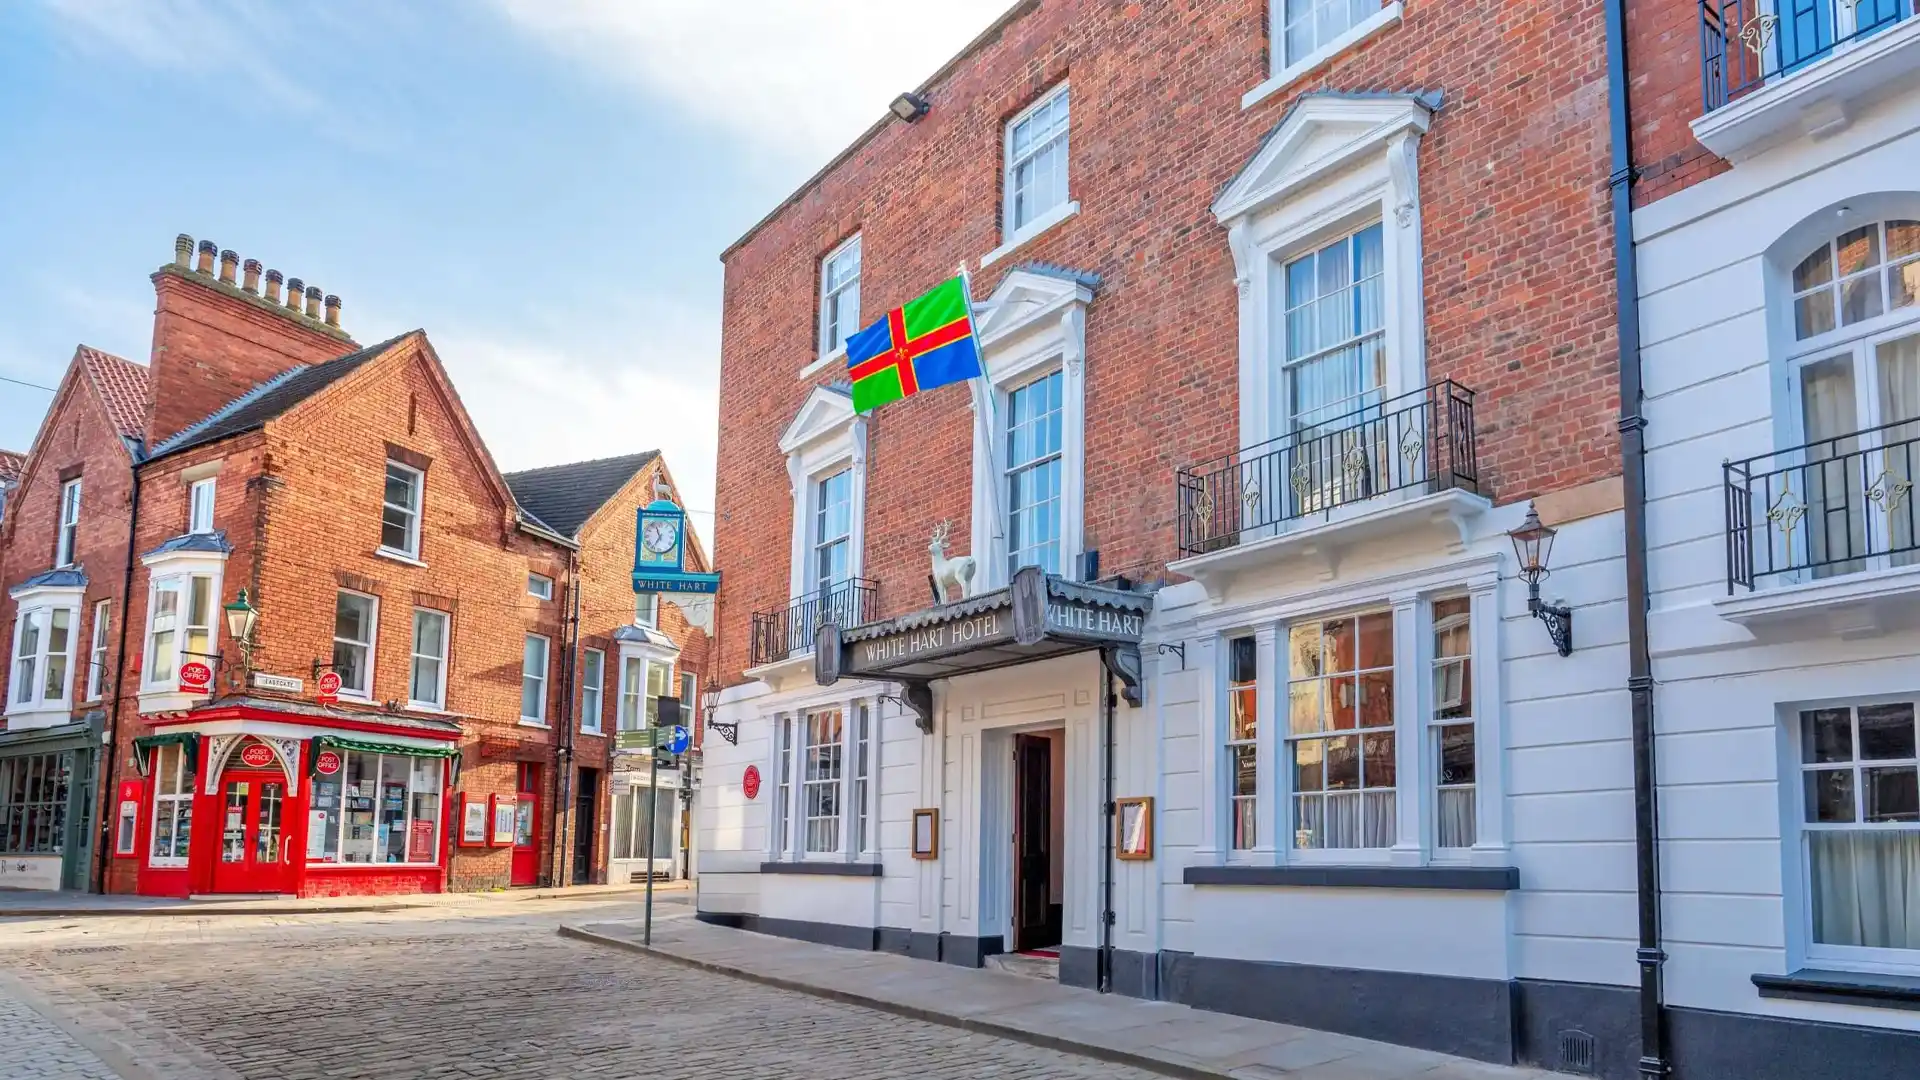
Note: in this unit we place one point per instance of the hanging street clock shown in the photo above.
(660, 552)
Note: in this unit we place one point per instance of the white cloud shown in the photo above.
(799, 76)
(232, 43)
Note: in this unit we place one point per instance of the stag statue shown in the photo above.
(952, 578)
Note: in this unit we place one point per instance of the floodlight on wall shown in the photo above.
(910, 106)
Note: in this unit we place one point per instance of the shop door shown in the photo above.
(586, 826)
(253, 849)
(526, 827)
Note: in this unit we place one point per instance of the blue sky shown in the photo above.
(544, 185)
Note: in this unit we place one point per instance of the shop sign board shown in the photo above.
(256, 755)
(327, 763)
(280, 684)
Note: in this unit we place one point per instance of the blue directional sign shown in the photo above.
(679, 740)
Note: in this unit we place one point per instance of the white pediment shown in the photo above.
(1026, 298)
(1322, 134)
(825, 412)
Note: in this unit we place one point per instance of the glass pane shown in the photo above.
(233, 826)
(1903, 239)
(1304, 707)
(1860, 298)
(1343, 763)
(1891, 794)
(352, 617)
(399, 487)
(1241, 714)
(267, 828)
(1242, 770)
(1866, 887)
(1309, 765)
(1830, 796)
(394, 528)
(1886, 732)
(1342, 703)
(1303, 651)
(1815, 269)
(1903, 284)
(1456, 754)
(1337, 645)
(1376, 640)
(1858, 249)
(1813, 314)
(1826, 735)
(1378, 767)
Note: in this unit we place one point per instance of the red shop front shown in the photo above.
(254, 798)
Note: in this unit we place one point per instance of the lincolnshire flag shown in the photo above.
(925, 343)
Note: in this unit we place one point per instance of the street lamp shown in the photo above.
(241, 618)
(1533, 546)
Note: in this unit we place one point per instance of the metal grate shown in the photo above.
(1576, 1053)
(785, 632)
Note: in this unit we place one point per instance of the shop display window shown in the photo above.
(379, 808)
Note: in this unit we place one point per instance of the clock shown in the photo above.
(661, 536)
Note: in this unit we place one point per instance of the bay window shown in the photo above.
(1860, 832)
(377, 809)
(643, 814)
(172, 807)
(820, 782)
(43, 639)
(643, 683)
(355, 619)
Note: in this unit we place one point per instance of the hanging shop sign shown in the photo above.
(328, 687)
(660, 552)
(195, 677)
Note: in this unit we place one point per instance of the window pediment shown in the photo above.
(1322, 134)
(826, 411)
(1027, 299)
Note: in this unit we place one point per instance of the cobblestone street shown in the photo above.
(487, 990)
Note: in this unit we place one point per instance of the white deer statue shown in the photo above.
(952, 578)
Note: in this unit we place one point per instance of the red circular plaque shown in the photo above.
(750, 781)
(256, 755)
(327, 763)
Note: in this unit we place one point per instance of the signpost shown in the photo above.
(670, 737)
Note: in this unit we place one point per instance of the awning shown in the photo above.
(1037, 617)
(144, 746)
(371, 746)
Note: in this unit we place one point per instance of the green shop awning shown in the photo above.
(371, 746)
(144, 746)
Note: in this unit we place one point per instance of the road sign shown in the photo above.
(678, 739)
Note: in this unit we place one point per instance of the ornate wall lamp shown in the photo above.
(1533, 545)
(241, 619)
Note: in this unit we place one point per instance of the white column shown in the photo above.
(1490, 728)
(1412, 659)
(1206, 664)
(1073, 383)
(857, 499)
(1269, 749)
(798, 480)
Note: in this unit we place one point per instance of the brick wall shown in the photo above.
(1518, 269)
(1665, 97)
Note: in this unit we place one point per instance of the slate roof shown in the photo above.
(563, 497)
(214, 542)
(70, 577)
(270, 399)
(123, 389)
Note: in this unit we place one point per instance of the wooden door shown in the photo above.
(1033, 922)
(252, 855)
(526, 826)
(586, 825)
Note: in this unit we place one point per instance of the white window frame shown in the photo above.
(1231, 746)
(829, 348)
(332, 858)
(539, 586)
(1470, 666)
(1280, 207)
(179, 581)
(1032, 325)
(162, 756)
(823, 582)
(859, 791)
(200, 501)
(67, 539)
(632, 715)
(825, 436)
(414, 513)
(1014, 233)
(1795, 833)
(1284, 72)
(538, 719)
(97, 651)
(1011, 471)
(359, 693)
(39, 608)
(438, 703)
(1410, 596)
(593, 690)
(646, 609)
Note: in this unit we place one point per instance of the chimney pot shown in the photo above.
(183, 251)
(228, 260)
(313, 301)
(294, 288)
(273, 286)
(251, 281)
(333, 311)
(205, 263)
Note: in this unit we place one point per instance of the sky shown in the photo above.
(545, 186)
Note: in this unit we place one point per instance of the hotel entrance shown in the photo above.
(1039, 840)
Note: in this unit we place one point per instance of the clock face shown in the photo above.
(661, 536)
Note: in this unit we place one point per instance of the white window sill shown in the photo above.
(166, 699)
(167, 864)
(1385, 17)
(426, 707)
(398, 556)
(838, 355)
(1033, 228)
(595, 732)
(38, 715)
(541, 724)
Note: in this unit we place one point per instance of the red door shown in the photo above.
(253, 849)
(526, 826)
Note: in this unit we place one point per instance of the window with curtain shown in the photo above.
(43, 640)
(533, 680)
(783, 790)
(864, 772)
(820, 783)
(1243, 698)
(1860, 773)
(1452, 722)
(1332, 369)
(832, 531)
(1035, 426)
(1341, 735)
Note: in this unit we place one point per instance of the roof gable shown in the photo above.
(565, 497)
(122, 388)
(269, 400)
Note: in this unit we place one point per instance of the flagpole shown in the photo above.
(989, 405)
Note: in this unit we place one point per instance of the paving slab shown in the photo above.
(1159, 1037)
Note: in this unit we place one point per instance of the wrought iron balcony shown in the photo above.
(1744, 44)
(1826, 509)
(784, 632)
(1422, 441)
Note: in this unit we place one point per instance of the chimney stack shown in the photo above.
(217, 334)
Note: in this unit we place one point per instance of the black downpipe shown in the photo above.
(569, 712)
(106, 788)
(1104, 975)
(1633, 452)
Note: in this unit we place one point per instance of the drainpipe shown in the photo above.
(1633, 449)
(105, 784)
(563, 750)
(1104, 966)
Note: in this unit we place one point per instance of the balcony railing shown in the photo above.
(1422, 440)
(783, 632)
(1829, 508)
(1745, 44)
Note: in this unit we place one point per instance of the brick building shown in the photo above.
(1289, 311)
(402, 713)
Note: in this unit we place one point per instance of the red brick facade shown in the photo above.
(1518, 269)
(1665, 96)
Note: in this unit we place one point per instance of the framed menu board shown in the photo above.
(503, 817)
(473, 821)
(1133, 829)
